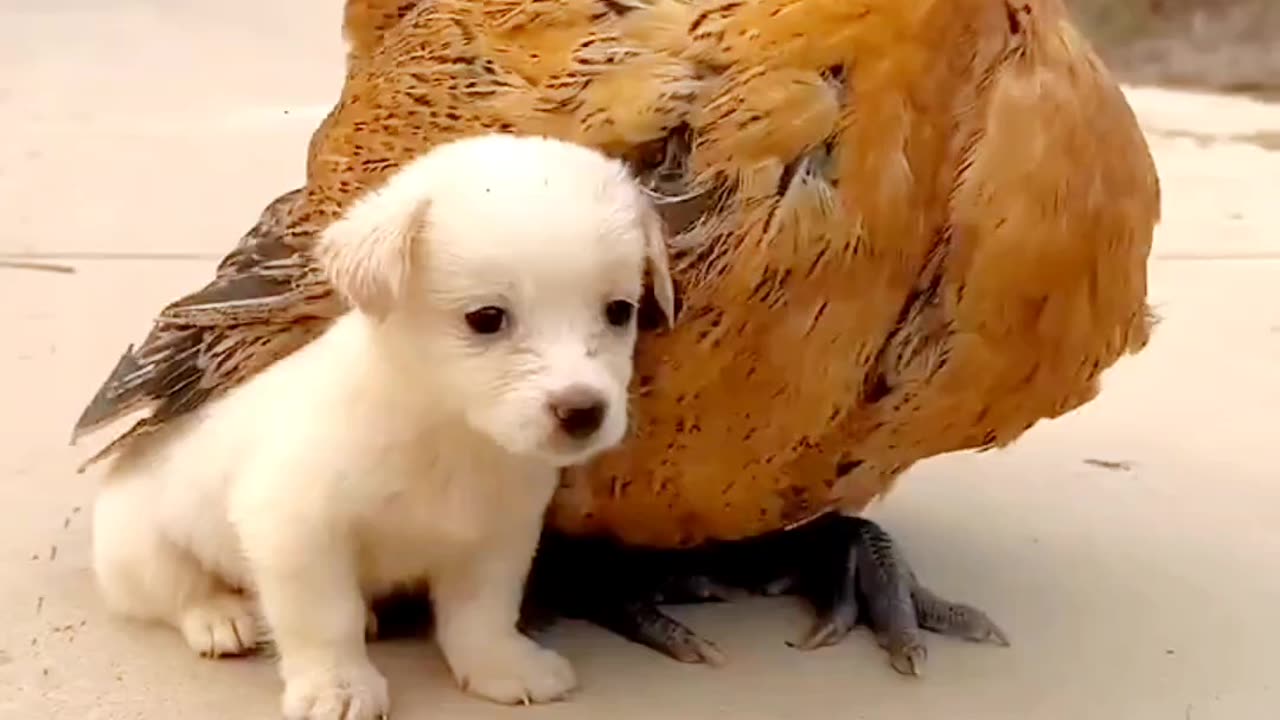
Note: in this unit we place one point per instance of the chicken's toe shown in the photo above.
(853, 572)
(954, 619)
(644, 623)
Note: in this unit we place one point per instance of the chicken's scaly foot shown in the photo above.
(860, 575)
(619, 589)
(642, 622)
(849, 568)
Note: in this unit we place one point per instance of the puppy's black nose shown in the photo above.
(579, 410)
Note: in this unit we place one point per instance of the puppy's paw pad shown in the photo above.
(220, 626)
(519, 672)
(357, 692)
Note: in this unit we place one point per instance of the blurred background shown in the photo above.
(1221, 45)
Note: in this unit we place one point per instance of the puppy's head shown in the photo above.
(505, 271)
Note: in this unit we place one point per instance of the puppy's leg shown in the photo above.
(477, 604)
(305, 573)
(144, 575)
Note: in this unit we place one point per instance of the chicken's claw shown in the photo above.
(859, 574)
(955, 619)
(643, 623)
(849, 568)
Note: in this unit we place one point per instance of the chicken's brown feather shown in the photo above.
(266, 300)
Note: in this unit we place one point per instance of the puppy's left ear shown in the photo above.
(368, 252)
(655, 242)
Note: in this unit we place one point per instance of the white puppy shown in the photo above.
(495, 282)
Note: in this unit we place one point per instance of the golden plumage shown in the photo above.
(904, 228)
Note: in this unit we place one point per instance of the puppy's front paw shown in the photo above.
(516, 671)
(354, 692)
(221, 625)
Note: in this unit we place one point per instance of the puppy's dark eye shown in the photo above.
(487, 320)
(619, 312)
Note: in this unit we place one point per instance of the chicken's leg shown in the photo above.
(619, 589)
(616, 588)
(860, 575)
(848, 568)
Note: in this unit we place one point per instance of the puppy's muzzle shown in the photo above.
(579, 411)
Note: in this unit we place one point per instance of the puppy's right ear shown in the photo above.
(655, 252)
(367, 253)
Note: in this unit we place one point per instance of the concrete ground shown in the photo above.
(1130, 549)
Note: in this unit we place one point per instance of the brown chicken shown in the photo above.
(899, 228)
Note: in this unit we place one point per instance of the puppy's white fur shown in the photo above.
(402, 446)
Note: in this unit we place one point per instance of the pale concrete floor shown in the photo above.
(1148, 592)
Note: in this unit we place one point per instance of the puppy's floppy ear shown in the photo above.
(367, 253)
(655, 251)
